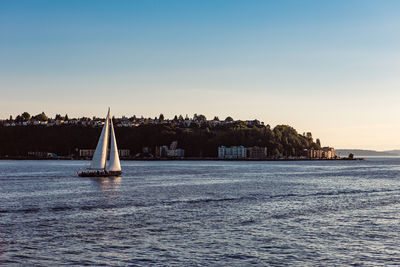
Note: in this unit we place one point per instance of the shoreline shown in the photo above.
(184, 159)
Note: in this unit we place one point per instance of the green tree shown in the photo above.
(201, 117)
(318, 142)
(25, 116)
(18, 118)
(229, 119)
(41, 117)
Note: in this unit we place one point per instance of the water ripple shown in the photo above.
(201, 214)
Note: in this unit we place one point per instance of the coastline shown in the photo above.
(185, 159)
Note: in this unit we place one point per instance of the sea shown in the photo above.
(201, 213)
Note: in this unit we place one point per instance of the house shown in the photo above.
(170, 152)
(42, 155)
(323, 153)
(257, 152)
(234, 152)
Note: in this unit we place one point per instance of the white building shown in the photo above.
(234, 152)
(171, 152)
(175, 153)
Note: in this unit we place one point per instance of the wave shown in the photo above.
(200, 201)
(336, 193)
(62, 208)
(207, 200)
(30, 210)
(239, 256)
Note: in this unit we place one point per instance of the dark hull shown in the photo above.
(99, 173)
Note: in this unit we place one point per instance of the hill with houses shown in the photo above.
(198, 136)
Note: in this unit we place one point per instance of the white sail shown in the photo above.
(114, 164)
(100, 154)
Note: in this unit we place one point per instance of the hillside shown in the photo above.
(198, 140)
(396, 151)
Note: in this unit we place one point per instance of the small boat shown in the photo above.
(99, 166)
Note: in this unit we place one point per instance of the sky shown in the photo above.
(328, 67)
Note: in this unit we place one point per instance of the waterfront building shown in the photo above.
(161, 151)
(124, 153)
(88, 153)
(257, 152)
(83, 153)
(329, 152)
(42, 155)
(234, 152)
(323, 153)
(175, 153)
(170, 152)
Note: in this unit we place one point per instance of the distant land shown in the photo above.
(396, 151)
(198, 136)
(367, 153)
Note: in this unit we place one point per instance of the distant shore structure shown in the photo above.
(88, 153)
(323, 153)
(158, 138)
(234, 152)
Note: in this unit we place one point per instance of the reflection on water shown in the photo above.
(107, 183)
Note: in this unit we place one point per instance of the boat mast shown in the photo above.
(107, 137)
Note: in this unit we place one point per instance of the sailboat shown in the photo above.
(99, 166)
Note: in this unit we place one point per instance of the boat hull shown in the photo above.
(99, 173)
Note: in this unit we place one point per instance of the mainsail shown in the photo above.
(100, 154)
(114, 164)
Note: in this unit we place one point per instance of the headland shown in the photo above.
(139, 138)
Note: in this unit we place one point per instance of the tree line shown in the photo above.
(198, 140)
(25, 117)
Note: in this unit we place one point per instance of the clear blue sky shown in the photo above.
(329, 67)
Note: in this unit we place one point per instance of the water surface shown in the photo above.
(201, 213)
